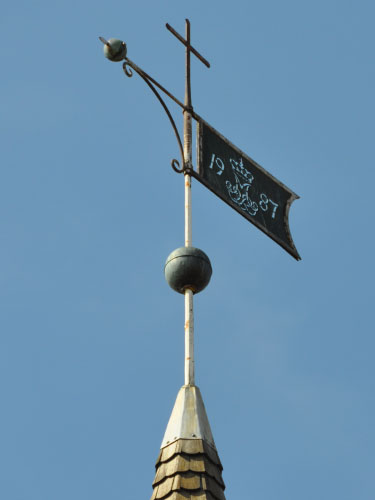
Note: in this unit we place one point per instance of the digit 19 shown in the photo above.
(219, 163)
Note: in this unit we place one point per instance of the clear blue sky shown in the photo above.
(91, 337)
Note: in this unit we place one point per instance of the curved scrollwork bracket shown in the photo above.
(128, 66)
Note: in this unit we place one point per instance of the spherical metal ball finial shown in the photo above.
(188, 267)
(114, 50)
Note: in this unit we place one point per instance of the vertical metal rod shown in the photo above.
(189, 313)
(187, 139)
(189, 339)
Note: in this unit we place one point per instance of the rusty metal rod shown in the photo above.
(189, 310)
(146, 78)
(189, 339)
(188, 168)
(140, 71)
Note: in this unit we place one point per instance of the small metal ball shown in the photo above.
(116, 51)
(188, 267)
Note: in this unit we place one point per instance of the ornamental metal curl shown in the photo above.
(128, 66)
(175, 162)
(127, 70)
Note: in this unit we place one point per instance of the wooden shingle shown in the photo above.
(188, 470)
(185, 463)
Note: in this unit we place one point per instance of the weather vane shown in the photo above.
(188, 462)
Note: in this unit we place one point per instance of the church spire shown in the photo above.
(188, 466)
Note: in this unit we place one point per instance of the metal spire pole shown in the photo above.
(189, 312)
(115, 50)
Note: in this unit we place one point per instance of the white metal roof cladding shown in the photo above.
(188, 419)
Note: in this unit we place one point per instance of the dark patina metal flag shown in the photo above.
(244, 185)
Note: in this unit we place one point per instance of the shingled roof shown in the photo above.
(188, 466)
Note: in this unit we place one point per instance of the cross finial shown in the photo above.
(189, 49)
(187, 42)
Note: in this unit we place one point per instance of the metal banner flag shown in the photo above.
(244, 185)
